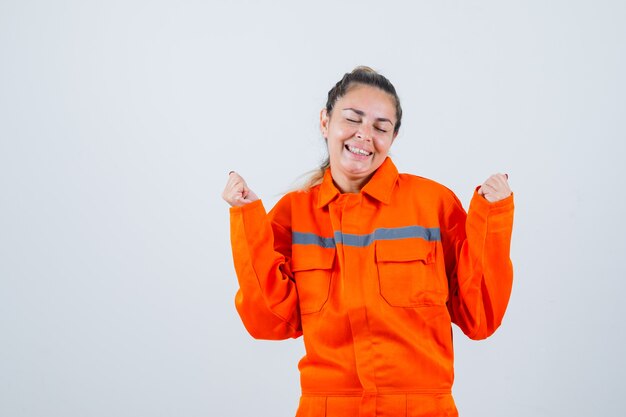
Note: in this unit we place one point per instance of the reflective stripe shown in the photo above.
(426, 233)
(347, 239)
(299, 238)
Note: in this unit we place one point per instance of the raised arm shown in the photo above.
(478, 264)
(267, 300)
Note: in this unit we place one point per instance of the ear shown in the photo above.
(324, 120)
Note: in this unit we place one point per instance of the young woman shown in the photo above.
(371, 266)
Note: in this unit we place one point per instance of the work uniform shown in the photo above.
(373, 280)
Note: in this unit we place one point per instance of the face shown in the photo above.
(359, 133)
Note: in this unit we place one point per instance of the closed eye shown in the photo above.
(353, 120)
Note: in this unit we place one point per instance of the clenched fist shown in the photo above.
(236, 193)
(496, 188)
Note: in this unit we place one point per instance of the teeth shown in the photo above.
(358, 151)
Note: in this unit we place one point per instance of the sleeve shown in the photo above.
(267, 299)
(478, 264)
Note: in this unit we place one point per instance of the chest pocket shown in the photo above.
(407, 273)
(312, 267)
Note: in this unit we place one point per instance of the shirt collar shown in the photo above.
(379, 186)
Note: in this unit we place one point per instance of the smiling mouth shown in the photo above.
(358, 151)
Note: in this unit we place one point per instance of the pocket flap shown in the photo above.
(307, 257)
(405, 250)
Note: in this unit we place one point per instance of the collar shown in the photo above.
(379, 186)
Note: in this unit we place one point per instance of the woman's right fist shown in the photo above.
(236, 193)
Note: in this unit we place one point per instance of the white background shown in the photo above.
(120, 120)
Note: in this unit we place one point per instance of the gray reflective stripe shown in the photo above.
(299, 238)
(426, 233)
(347, 239)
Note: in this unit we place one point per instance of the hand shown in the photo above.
(496, 188)
(237, 192)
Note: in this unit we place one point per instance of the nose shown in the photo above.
(364, 133)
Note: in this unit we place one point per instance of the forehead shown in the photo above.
(371, 100)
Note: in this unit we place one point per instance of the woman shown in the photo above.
(371, 266)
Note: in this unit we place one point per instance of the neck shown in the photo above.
(347, 184)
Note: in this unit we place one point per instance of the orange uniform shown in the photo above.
(373, 281)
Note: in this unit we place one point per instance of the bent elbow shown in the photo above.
(278, 332)
(477, 326)
(482, 332)
(263, 324)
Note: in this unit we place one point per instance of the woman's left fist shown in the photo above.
(496, 188)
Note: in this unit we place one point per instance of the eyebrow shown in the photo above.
(362, 113)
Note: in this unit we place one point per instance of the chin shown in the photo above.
(357, 167)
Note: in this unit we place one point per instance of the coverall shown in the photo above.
(373, 281)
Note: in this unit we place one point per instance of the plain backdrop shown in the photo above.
(120, 120)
